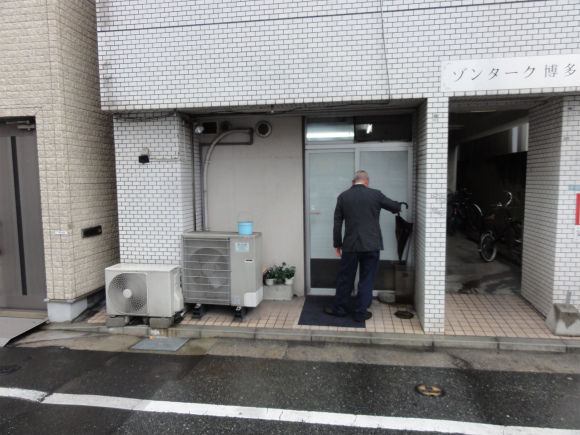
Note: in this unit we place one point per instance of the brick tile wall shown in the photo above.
(421, 35)
(542, 186)
(551, 257)
(160, 54)
(431, 198)
(48, 69)
(212, 54)
(567, 268)
(89, 153)
(155, 199)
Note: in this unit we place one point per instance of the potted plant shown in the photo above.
(269, 276)
(278, 274)
(288, 272)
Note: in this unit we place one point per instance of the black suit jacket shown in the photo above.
(360, 207)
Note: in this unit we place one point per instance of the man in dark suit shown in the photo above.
(359, 207)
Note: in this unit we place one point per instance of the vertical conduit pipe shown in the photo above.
(193, 196)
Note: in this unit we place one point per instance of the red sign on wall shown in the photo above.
(578, 209)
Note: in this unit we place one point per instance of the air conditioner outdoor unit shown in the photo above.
(151, 290)
(222, 268)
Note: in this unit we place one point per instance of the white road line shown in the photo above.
(91, 400)
(18, 393)
(285, 415)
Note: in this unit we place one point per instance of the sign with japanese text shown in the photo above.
(242, 247)
(511, 73)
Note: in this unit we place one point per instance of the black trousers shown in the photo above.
(369, 264)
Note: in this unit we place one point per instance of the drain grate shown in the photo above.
(160, 343)
(404, 315)
(8, 369)
(431, 391)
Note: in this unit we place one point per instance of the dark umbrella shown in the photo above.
(402, 232)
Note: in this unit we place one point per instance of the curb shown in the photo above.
(563, 345)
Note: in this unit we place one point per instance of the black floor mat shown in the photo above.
(313, 315)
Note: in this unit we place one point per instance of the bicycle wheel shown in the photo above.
(517, 229)
(474, 218)
(487, 247)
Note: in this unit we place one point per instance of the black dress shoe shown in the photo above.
(367, 317)
(330, 312)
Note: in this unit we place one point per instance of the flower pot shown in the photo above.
(289, 281)
(269, 281)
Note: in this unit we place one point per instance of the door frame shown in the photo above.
(356, 148)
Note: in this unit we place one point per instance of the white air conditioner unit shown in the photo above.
(222, 268)
(151, 290)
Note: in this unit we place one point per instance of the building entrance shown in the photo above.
(22, 269)
(329, 172)
(487, 167)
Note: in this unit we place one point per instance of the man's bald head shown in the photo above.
(361, 177)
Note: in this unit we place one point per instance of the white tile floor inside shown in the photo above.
(466, 315)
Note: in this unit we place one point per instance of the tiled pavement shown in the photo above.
(474, 315)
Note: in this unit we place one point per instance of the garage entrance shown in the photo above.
(486, 200)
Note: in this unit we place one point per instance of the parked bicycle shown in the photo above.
(510, 232)
(462, 212)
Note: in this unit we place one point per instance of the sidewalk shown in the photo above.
(473, 321)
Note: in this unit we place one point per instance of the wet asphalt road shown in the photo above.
(481, 396)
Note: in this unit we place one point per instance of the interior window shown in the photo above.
(382, 128)
(330, 129)
(369, 128)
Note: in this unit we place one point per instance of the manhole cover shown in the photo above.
(404, 315)
(160, 343)
(6, 370)
(429, 390)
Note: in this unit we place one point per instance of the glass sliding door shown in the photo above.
(389, 172)
(329, 172)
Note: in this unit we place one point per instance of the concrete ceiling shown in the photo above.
(469, 117)
(468, 126)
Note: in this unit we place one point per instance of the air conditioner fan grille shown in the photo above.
(206, 272)
(127, 293)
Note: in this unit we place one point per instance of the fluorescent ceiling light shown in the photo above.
(330, 134)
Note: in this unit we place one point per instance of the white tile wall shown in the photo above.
(155, 199)
(431, 199)
(165, 54)
(551, 258)
(423, 35)
(567, 268)
(206, 55)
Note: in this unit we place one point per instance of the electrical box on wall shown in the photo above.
(144, 157)
(209, 127)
